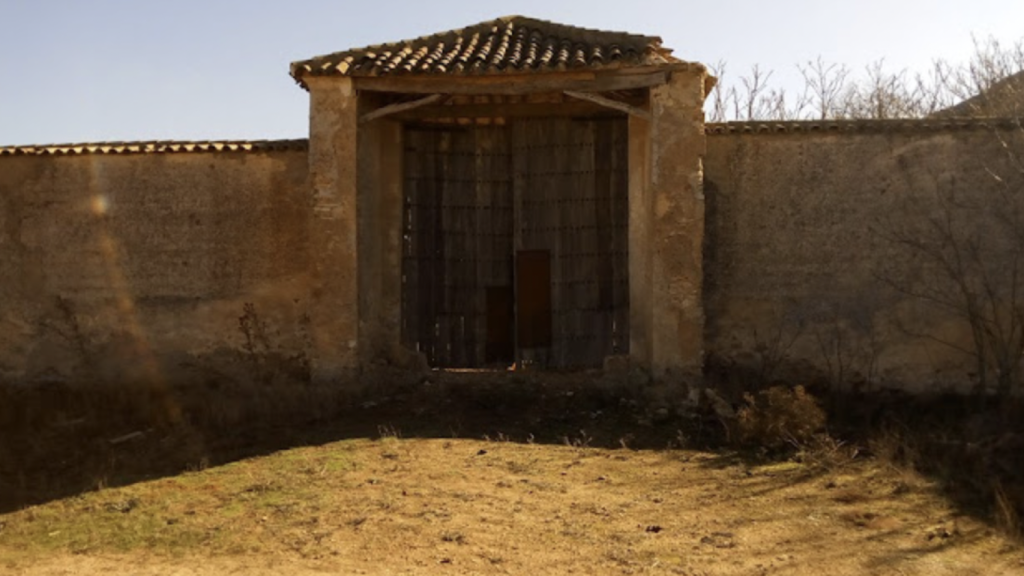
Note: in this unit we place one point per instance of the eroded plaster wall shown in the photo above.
(140, 265)
(806, 258)
(667, 229)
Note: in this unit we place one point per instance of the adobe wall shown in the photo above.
(123, 266)
(802, 257)
(126, 266)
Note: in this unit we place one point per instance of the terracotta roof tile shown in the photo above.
(512, 44)
(153, 147)
(848, 126)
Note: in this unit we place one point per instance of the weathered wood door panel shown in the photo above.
(533, 299)
(476, 196)
(571, 194)
(457, 240)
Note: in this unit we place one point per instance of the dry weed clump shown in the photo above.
(780, 417)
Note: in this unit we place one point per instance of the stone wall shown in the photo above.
(806, 247)
(133, 265)
(125, 266)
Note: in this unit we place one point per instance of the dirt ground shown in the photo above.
(454, 506)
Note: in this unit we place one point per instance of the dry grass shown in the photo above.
(427, 506)
(570, 476)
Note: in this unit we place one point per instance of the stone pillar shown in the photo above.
(667, 229)
(640, 208)
(334, 306)
(380, 242)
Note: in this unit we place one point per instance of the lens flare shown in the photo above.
(99, 204)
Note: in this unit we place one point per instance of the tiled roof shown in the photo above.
(153, 147)
(755, 127)
(512, 44)
(853, 126)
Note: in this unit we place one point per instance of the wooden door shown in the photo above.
(570, 182)
(533, 299)
(457, 244)
(546, 195)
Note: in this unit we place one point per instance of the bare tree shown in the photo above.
(990, 64)
(752, 99)
(990, 83)
(747, 103)
(883, 95)
(849, 348)
(718, 96)
(825, 84)
(969, 246)
(773, 345)
(969, 242)
(778, 107)
(932, 91)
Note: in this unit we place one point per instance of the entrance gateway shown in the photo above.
(513, 191)
(515, 242)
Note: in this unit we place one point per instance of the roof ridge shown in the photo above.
(858, 125)
(512, 19)
(530, 19)
(505, 44)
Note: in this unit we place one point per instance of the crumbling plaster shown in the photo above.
(667, 229)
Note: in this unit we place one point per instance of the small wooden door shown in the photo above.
(533, 298)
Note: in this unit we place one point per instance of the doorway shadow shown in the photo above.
(59, 442)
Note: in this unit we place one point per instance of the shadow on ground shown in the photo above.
(62, 441)
(59, 441)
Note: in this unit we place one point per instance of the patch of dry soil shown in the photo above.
(434, 506)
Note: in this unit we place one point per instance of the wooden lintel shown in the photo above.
(400, 107)
(609, 103)
(510, 84)
(517, 110)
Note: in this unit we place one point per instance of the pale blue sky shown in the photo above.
(92, 70)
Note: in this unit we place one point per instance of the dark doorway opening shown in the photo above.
(515, 242)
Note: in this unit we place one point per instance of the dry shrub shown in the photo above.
(827, 453)
(1007, 511)
(893, 446)
(780, 417)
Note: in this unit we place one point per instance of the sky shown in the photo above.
(102, 70)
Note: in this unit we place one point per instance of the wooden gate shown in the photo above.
(475, 198)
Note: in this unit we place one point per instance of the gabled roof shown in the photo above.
(508, 45)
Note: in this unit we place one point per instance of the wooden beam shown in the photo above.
(609, 103)
(517, 110)
(397, 108)
(509, 84)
